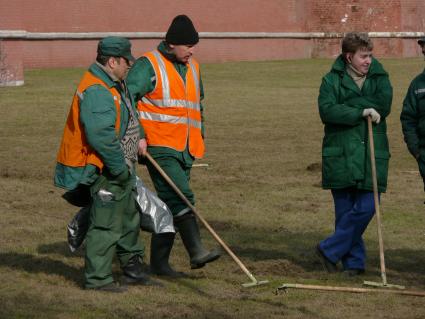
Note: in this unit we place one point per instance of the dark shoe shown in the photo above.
(111, 287)
(161, 245)
(189, 232)
(353, 272)
(329, 266)
(134, 273)
(144, 280)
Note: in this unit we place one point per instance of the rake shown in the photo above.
(384, 282)
(285, 287)
(254, 281)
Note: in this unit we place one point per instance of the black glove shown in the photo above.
(141, 159)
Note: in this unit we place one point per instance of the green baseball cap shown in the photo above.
(421, 41)
(115, 46)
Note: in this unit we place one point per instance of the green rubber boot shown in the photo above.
(161, 245)
(189, 232)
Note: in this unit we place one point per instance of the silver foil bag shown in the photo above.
(156, 217)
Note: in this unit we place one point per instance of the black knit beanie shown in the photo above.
(182, 31)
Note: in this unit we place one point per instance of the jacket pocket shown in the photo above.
(333, 168)
(382, 159)
(106, 183)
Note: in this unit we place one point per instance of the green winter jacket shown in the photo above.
(97, 116)
(345, 148)
(141, 80)
(413, 116)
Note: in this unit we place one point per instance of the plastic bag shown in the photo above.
(77, 228)
(155, 216)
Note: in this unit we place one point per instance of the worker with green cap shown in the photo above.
(167, 85)
(100, 144)
(412, 117)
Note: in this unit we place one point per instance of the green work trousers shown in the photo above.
(179, 172)
(114, 228)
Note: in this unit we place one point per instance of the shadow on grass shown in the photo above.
(403, 267)
(407, 261)
(34, 264)
(263, 244)
(297, 249)
(60, 248)
(275, 251)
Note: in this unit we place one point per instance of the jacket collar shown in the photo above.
(100, 72)
(165, 51)
(376, 67)
(339, 67)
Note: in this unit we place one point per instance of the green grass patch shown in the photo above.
(261, 193)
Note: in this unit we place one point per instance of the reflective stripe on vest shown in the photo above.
(74, 150)
(171, 113)
(170, 119)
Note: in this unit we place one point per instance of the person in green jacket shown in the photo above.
(99, 149)
(412, 119)
(356, 87)
(176, 66)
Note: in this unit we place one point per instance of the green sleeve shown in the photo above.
(141, 79)
(142, 132)
(409, 120)
(98, 115)
(332, 112)
(380, 99)
(136, 111)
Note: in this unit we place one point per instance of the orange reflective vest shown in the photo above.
(171, 113)
(74, 150)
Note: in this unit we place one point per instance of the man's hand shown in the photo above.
(142, 148)
(373, 114)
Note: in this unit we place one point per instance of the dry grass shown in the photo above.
(260, 192)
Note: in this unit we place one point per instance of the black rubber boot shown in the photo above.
(134, 273)
(189, 232)
(161, 245)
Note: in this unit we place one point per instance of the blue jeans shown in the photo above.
(353, 211)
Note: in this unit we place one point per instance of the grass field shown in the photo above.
(261, 193)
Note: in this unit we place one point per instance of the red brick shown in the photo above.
(211, 16)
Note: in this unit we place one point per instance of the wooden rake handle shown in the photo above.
(418, 293)
(204, 222)
(376, 200)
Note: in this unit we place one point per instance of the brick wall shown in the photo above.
(208, 16)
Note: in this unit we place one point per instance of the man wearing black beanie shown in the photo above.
(167, 85)
(182, 31)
